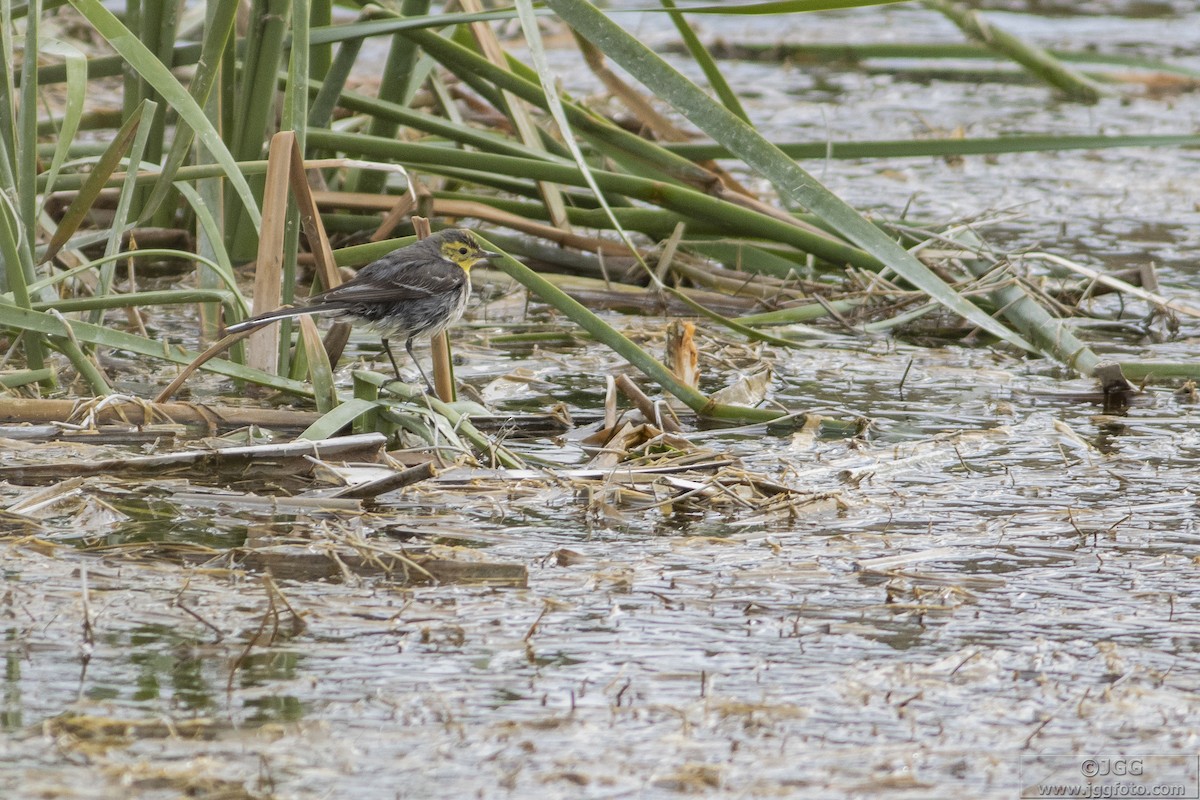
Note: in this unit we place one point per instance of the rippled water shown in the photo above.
(1039, 599)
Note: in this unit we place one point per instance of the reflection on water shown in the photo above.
(216, 533)
(158, 666)
(274, 708)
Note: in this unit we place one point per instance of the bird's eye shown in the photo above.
(462, 251)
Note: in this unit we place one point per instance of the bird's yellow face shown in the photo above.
(463, 250)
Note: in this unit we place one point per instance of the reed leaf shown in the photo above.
(437, 126)
(345, 413)
(219, 25)
(759, 154)
(783, 6)
(1034, 59)
(799, 314)
(8, 85)
(853, 52)
(87, 369)
(125, 202)
(76, 68)
(159, 75)
(638, 154)
(220, 263)
(316, 363)
(295, 119)
(972, 146)
(26, 143)
(400, 67)
(94, 182)
(225, 275)
(16, 246)
(46, 323)
(330, 90)
(392, 22)
(13, 380)
(136, 151)
(1035, 323)
(1160, 370)
(690, 203)
(320, 57)
(705, 60)
(254, 101)
(161, 297)
(554, 102)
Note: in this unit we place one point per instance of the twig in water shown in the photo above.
(89, 634)
(903, 378)
(178, 603)
(255, 638)
(533, 628)
(649, 409)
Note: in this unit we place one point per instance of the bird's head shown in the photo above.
(458, 245)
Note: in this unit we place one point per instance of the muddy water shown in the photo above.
(1008, 572)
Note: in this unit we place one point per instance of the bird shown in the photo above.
(416, 290)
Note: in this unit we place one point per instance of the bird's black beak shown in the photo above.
(488, 255)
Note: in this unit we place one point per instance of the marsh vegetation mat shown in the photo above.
(958, 558)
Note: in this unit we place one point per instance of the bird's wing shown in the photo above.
(392, 282)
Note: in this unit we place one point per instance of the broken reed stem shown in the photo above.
(1037, 61)
(389, 483)
(650, 410)
(1035, 323)
(262, 350)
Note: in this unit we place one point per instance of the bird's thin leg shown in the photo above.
(408, 346)
(387, 348)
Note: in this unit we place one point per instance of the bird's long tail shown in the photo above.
(271, 316)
